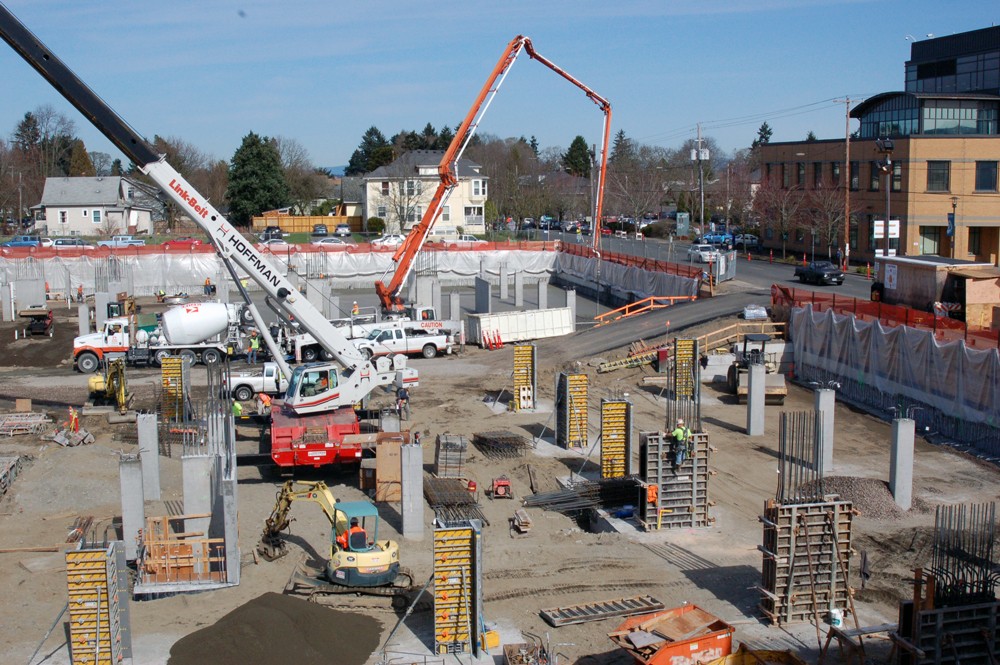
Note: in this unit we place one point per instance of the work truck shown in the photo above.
(407, 338)
(122, 241)
(265, 379)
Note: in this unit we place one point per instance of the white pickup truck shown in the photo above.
(122, 241)
(268, 379)
(408, 339)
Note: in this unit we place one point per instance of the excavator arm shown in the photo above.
(448, 168)
(272, 545)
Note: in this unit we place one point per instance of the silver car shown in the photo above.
(703, 253)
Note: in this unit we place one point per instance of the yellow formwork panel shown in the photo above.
(453, 595)
(172, 382)
(685, 352)
(577, 419)
(524, 372)
(614, 438)
(94, 610)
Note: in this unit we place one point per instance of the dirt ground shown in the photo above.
(556, 564)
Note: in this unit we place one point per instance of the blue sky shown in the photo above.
(323, 72)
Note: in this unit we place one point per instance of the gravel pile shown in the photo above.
(870, 496)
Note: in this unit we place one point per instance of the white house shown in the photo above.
(92, 206)
(400, 193)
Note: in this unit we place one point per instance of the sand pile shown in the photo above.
(280, 629)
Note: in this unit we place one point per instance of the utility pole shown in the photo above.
(847, 174)
(698, 154)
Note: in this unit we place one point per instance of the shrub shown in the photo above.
(376, 225)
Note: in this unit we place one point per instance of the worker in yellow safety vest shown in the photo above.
(682, 443)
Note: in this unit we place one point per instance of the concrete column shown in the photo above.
(755, 401)
(425, 291)
(231, 531)
(482, 268)
(83, 326)
(571, 303)
(315, 293)
(901, 462)
(826, 401)
(504, 281)
(543, 294)
(197, 480)
(389, 422)
(133, 508)
(101, 300)
(455, 305)
(149, 455)
(7, 302)
(331, 306)
(484, 300)
(436, 297)
(518, 289)
(412, 502)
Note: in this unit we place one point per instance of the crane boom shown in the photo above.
(359, 377)
(448, 167)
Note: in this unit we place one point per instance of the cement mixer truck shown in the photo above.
(204, 332)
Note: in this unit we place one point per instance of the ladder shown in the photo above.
(602, 609)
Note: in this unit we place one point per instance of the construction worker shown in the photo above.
(344, 539)
(208, 286)
(355, 310)
(682, 441)
(263, 404)
(253, 348)
(79, 293)
(403, 403)
(237, 409)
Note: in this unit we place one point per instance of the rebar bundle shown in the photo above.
(500, 444)
(799, 477)
(609, 493)
(447, 492)
(963, 554)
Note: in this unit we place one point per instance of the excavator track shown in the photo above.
(309, 582)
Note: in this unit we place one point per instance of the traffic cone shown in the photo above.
(803, 258)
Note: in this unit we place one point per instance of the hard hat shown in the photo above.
(680, 421)
(355, 302)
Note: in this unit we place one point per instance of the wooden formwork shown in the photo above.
(571, 410)
(168, 556)
(457, 587)
(96, 606)
(806, 555)
(681, 496)
(616, 438)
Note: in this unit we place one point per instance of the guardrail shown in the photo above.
(944, 328)
(640, 307)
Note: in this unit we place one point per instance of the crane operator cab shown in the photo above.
(357, 557)
(311, 381)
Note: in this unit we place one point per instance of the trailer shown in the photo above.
(520, 326)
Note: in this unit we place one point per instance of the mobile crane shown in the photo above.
(448, 168)
(321, 396)
(358, 562)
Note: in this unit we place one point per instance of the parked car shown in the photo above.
(389, 240)
(703, 253)
(45, 242)
(585, 228)
(119, 241)
(273, 245)
(329, 243)
(717, 238)
(320, 230)
(747, 240)
(182, 243)
(820, 272)
(466, 241)
(570, 227)
(342, 230)
(23, 241)
(71, 243)
(528, 223)
(272, 232)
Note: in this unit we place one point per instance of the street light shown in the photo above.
(885, 146)
(953, 223)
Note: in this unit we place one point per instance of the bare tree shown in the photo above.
(305, 183)
(101, 162)
(778, 209)
(403, 199)
(637, 182)
(824, 215)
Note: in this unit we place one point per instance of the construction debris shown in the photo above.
(500, 444)
(68, 438)
(608, 493)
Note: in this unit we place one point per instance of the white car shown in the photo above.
(390, 240)
(703, 253)
(273, 245)
(466, 241)
(343, 230)
(745, 240)
(330, 243)
(71, 243)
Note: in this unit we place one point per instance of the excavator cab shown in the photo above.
(367, 517)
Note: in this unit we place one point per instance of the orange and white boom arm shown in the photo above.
(448, 168)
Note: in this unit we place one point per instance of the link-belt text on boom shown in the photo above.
(190, 200)
(241, 246)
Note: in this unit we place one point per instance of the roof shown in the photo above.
(932, 260)
(979, 272)
(410, 163)
(866, 106)
(101, 191)
(356, 509)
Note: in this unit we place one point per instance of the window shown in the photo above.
(445, 213)
(381, 212)
(800, 235)
(786, 176)
(875, 176)
(836, 174)
(938, 176)
(800, 174)
(854, 232)
(855, 175)
(986, 176)
(474, 214)
(975, 236)
(97, 217)
(412, 187)
(62, 217)
(479, 188)
(817, 175)
(769, 233)
(897, 177)
(130, 193)
(385, 188)
(86, 214)
(930, 239)
(414, 214)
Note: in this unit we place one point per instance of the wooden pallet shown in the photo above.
(602, 609)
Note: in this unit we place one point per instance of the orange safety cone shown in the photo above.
(771, 260)
(868, 271)
(803, 258)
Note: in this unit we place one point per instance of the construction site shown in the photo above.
(596, 458)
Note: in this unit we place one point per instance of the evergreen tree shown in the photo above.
(362, 160)
(763, 136)
(533, 144)
(79, 161)
(576, 160)
(622, 149)
(117, 168)
(28, 134)
(810, 137)
(256, 179)
(444, 138)
(428, 137)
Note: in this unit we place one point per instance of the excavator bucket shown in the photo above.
(272, 548)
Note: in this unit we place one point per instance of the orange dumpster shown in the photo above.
(681, 636)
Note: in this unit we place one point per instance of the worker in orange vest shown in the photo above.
(345, 538)
(263, 404)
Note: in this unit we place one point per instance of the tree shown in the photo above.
(305, 182)
(256, 179)
(763, 136)
(79, 161)
(102, 163)
(622, 148)
(811, 136)
(778, 209)
(637, 181)
(576, 161)
(116, 167)
(371, 153)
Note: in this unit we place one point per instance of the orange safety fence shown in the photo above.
(656, 265)
(640, 307)
(945, 329)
